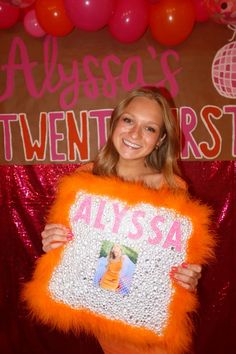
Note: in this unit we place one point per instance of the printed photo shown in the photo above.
(116, 266)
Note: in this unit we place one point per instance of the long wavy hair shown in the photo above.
(163, 159)
(111, 253)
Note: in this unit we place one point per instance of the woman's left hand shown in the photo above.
(187, 275)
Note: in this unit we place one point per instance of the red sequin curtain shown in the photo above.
(25, 195)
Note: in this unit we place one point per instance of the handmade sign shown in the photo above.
(113, 278)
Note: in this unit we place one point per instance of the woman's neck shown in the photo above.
(132, 170)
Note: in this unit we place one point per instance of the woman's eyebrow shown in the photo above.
(134, 116)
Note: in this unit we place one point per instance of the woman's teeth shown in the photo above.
(132, 145)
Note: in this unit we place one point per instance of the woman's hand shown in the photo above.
(187, 275)
(54, 236)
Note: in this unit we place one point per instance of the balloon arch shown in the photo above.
(170, 21)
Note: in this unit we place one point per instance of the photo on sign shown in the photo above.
(115, 267)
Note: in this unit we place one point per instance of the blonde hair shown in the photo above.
(163, 159)
(110, 255)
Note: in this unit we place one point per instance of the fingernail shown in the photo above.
(171, 274)
(70, 235)
(184, 265)
(174, 269)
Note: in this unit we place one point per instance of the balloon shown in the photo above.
(20, 3)
(52, 17)
(24, 11)
(89, 15)
(32, 26)
(223, 12)
(172, 21)
(129, 20)
(201, 10)
(8, 15)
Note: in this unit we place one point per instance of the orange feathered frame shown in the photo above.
(177, 333)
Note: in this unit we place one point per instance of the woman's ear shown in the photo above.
(160, 141)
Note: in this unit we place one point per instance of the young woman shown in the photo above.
(111, 278)
(142, 146)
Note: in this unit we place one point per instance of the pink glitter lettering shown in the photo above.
(139, 229)
(119, 214)
(98, 221)
(158, 234)
(84, 210)
(173, 238)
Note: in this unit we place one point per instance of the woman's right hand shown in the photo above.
(54, 236)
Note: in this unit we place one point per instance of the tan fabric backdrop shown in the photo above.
(57, 94)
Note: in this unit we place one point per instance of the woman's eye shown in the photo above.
(127, 120)
(151, 129)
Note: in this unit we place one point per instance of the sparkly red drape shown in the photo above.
(25, 195)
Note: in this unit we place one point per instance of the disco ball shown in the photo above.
(224, 71)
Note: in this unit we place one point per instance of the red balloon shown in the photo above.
(8, 15)
(172, 21)
(20, 3)
(129, 20)
(52, 17)
(201, 11)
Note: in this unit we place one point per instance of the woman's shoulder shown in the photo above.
(180, 183)
(157, 181)
(86, 167)
(153, 180)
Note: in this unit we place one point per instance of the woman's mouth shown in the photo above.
(130, 144)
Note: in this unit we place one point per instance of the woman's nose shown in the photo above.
(135, 131)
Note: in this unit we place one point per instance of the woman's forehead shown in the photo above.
(145, 108)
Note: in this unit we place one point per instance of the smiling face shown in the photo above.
(116, 252)
(138, 129)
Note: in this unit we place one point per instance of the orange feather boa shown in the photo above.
(176, 335)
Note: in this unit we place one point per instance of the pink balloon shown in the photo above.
(20, 3)
(8, 15)
(129, 20)
(201, 10)
(32, 26)
(89, 15)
